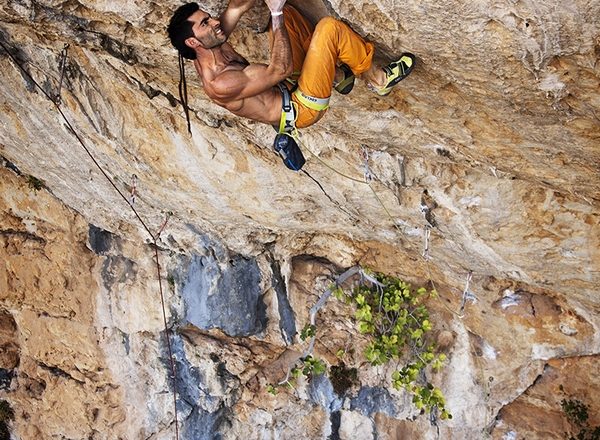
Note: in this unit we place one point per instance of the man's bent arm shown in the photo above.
(281, 51)
(231, 16)
(257, 78)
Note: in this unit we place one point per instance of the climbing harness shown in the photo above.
(289, 113)
(285, 141)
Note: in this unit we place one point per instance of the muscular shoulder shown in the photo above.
(219, 92)
(238, 81)
(224, 85)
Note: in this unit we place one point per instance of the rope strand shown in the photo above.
(154, 238)
(169, 350)
(425, 257)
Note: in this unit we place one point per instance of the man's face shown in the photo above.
(207, 30)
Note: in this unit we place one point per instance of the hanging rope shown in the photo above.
(335, 202)
(426, 229)
(154, 237)
(164, 225)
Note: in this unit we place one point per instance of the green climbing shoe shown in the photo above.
(395, 72)
(345, 86)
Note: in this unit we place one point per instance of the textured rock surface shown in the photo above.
(496, 133)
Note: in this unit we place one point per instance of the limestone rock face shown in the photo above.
(488, 153)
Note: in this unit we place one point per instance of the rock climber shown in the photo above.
(293, 90)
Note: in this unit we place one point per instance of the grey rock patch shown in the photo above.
(287, 318)
(100, 240)
(320, 391)
(224, 295)
(371, 400)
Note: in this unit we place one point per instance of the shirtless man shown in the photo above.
(306, 57)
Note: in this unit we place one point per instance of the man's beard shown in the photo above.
(213, 41)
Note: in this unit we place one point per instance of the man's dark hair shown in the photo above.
(180, 29)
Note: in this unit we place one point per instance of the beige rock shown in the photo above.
(537, 413)
(496, 132)
(354, 425)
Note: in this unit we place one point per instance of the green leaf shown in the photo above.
(416, 334)
(338, 293)
(308, 332)
(365, 327)
(364, 314)
(445, 415)
(271, 390)
(319, 367)
(439, 396)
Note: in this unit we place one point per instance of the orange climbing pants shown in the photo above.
(315, 53)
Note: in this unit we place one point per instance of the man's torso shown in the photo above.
(264, 107)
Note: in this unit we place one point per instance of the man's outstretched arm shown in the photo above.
(231, 16)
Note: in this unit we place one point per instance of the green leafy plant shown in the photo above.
(395, 318)
(271, 389)
(308, 331)
(312, 366)
(308, 366)
(577, 414)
